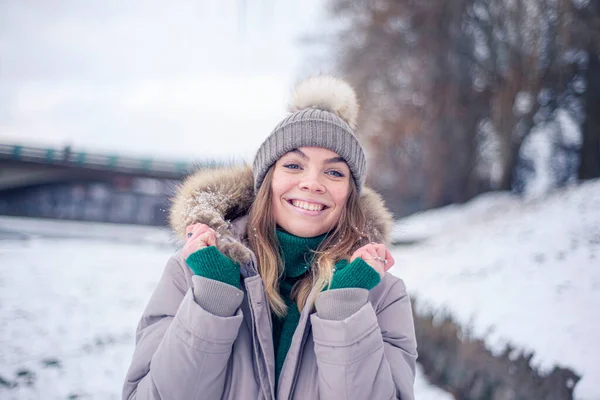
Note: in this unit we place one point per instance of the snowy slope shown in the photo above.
(524, 272)
(71, 295)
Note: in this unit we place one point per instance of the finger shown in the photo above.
(357, 253)
(372, 251)
(189, 230)
(362, 249)
(380, 256)
(390, 259)
(201, 228)
(192, 246)
(195, 245)
(207, 238)
(197, 230)
(361, 253)
(370, 256)
(211, 238)
(380, 249)
(195, 225)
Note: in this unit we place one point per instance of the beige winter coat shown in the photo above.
(203, 339)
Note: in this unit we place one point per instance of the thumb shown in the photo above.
(211, 239)
(208, 238)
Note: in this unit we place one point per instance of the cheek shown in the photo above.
(340, 196)
(278, 189)
(280, 184)
(275, 195)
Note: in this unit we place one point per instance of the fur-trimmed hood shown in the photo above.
(221, 199)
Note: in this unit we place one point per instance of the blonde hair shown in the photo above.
(338, 245)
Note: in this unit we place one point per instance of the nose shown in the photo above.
(311, 182)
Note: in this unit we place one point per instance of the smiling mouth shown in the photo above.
(304, 205)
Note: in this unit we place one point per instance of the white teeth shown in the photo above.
(307, 206)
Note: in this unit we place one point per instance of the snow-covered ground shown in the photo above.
(71, 294)
(524, 272)
(425, 391)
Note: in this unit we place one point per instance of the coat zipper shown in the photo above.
(259, 350)
(307, 327)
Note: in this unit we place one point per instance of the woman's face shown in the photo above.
(309, 190)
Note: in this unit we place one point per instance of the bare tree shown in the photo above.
(439, 81)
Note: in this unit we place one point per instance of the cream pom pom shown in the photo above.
(326, 93)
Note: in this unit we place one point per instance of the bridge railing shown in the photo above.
(66, 156)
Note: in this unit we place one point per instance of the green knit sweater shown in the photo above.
(297, 254)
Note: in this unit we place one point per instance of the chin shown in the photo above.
(306, 231)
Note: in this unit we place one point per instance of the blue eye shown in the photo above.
(335, 173)
(291, 166)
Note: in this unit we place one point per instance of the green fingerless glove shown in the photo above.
(357, 274)
(210, 263)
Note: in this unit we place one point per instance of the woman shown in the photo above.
(280, 291)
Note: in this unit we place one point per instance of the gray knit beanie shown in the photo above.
(323, 111)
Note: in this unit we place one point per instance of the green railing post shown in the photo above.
(181, 167)
(80, 159)
(112, 161)
(16, 152)
(50, 155)
(147, 164)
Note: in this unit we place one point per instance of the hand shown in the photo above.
(201, 236)
(377, 256)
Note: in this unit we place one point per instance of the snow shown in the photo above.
(570, 130)
(523, 103)
(426, 391)
(482, 50)
(537, 148)
(71, 295)
(525, 272)
(481, 11)
(549, 153)
(579, 84)
(436, 222)
(489, 163)
(69, 306)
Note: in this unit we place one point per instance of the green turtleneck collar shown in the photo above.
(297, 252)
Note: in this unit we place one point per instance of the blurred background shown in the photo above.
(481, 122)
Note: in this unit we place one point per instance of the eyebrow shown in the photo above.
(327, 161)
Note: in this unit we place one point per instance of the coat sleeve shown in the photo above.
(182, 349)
(365, 354)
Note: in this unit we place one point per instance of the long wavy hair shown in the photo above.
(339, 244)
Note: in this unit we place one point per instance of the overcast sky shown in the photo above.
(183, 79)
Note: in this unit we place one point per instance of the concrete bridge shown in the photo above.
(66, 184)
(25, 166)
